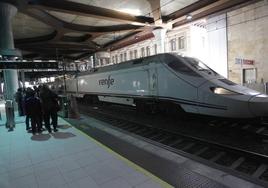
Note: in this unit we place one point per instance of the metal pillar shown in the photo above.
(7, 52)
(160, 35)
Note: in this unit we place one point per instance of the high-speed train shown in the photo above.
(169, 82)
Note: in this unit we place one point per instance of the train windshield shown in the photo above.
(199, 65)
(178, 65)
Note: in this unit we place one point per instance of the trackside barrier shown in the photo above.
(73, 108)
(64, 106)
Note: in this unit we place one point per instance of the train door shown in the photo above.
(153, 80)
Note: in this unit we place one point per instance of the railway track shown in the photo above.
(257, 130)
(249, 165)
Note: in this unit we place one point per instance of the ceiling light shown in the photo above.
(189, 17)
(135, 12)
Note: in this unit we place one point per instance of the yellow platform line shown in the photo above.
(130, 163)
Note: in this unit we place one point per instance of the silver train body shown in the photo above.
(166, 80)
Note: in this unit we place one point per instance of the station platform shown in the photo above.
(65, 159)
(89, 153)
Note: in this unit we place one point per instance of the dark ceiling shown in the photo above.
(73, 29)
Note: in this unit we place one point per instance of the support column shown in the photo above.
(7, 51)
(160, 35)
(22, 76)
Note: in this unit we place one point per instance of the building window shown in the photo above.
(173, 45)
(155, 49)
(135, 54)
(116, 59)
(121, 58)
(142, 52)
(131, 55)
(148, 53)
(125, 56)
(249, 75)
(181, 43)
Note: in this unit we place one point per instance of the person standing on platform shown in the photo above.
(26, 96)
(37, 91)
(19, 100)
(50, 107)
(34, 110)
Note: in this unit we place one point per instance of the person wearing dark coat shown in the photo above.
(19, 100)
(34, 111)
(27, 119)
(50, 107)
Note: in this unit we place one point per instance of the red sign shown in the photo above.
(244, 61)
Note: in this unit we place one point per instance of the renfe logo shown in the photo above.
(109, 81)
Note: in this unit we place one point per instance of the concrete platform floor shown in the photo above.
(68, 159)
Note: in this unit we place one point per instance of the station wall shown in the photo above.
(247, 31)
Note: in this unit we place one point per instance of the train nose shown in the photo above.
(258, 105)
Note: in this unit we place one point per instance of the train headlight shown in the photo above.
(223, 91)
(262, 96)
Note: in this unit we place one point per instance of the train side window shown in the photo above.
(177, 65)
(137, 61)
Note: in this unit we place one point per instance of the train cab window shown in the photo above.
(176, 64)
(199, 65)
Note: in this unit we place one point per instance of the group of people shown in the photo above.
(39, 104)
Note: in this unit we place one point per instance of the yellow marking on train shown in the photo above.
(130, 163)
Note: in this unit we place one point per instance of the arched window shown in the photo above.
(125, 56)
(173, 45)
(121, 58)
(148, 53)
(131, 55)
(181, 43)
(142, 52)
(155, 49)
(135, 54)
(116, 59)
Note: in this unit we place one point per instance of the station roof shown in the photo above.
(74, 29)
